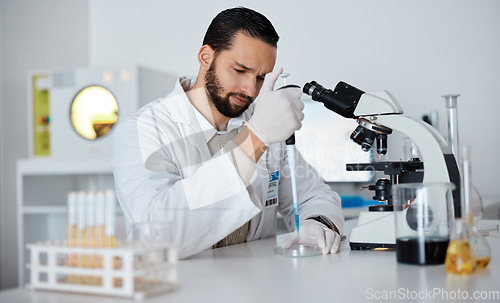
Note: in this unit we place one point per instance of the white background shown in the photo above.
(417, 50)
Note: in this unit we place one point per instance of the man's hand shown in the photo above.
(278, 113)
(314, 233)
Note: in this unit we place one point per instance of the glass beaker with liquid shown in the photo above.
(423, 213)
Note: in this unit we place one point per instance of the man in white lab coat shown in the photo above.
(210, 157)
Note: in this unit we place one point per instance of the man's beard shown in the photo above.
(222, 103)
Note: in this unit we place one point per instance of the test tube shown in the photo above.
(71, 232)
(99, 222)
(99, 229)
(99, 218)
(80, 219)
(451, 105)
(90, 219)
(81, 240)
(110, 212)
(72, 218)
(91, 233)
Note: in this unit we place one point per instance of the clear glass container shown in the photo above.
(423, 212)
(460, 259)
(452, 122)
(468, 251)
(297, 251)
(479, 245)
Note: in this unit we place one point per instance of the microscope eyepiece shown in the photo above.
(342, 100)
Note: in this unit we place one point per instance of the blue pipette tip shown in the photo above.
(297, 224)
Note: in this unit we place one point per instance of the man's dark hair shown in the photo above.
(227, 23)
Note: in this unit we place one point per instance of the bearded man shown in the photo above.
(210, 157)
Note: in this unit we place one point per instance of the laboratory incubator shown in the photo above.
(72, 111)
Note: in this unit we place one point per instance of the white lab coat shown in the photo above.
(163, 171)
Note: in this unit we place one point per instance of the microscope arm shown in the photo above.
(441, 140)
(431, 147)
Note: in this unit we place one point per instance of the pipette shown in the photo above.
(290, 149)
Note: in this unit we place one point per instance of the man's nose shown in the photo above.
(249, 87)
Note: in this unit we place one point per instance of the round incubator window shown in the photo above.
(94, 111)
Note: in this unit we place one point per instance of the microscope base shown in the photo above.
(374, 230)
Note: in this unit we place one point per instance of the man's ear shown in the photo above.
(206, 56)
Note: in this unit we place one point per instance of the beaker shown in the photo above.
(423, 212)
(157, 237)
(155, 231)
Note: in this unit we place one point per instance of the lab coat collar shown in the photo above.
(185, 110)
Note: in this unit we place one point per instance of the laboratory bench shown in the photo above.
(251, 272)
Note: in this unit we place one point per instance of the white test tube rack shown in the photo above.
(131, 269)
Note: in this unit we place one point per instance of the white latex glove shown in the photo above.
(314, 233)
(278, 113)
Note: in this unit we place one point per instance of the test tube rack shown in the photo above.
(131, 269)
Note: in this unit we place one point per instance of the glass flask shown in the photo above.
(468, 250)
(478, 243)
(480, 248)
(460, 259)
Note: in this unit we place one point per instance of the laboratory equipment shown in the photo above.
(39, 120)
(488, 229)
(72, 111)
(290, 149)
(468, 250)
(144, 270)
(452, 123)
(460, 258)
(296, 250)
(378, 114)
(422, 229)
(480, 247)
(475, 200)
(153, 231)
(87, 263)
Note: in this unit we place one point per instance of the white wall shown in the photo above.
(1, 145)
(35, 35)
(417, 50)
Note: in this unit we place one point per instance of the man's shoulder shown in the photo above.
(168, 107)
(174, 100)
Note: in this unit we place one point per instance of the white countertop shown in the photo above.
(251, 272)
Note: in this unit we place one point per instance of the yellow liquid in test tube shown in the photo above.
(100, 227)
(109, 213)
(110, 240)
(71, 234)
(91, 223)
(81, 240)
(91, 234)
